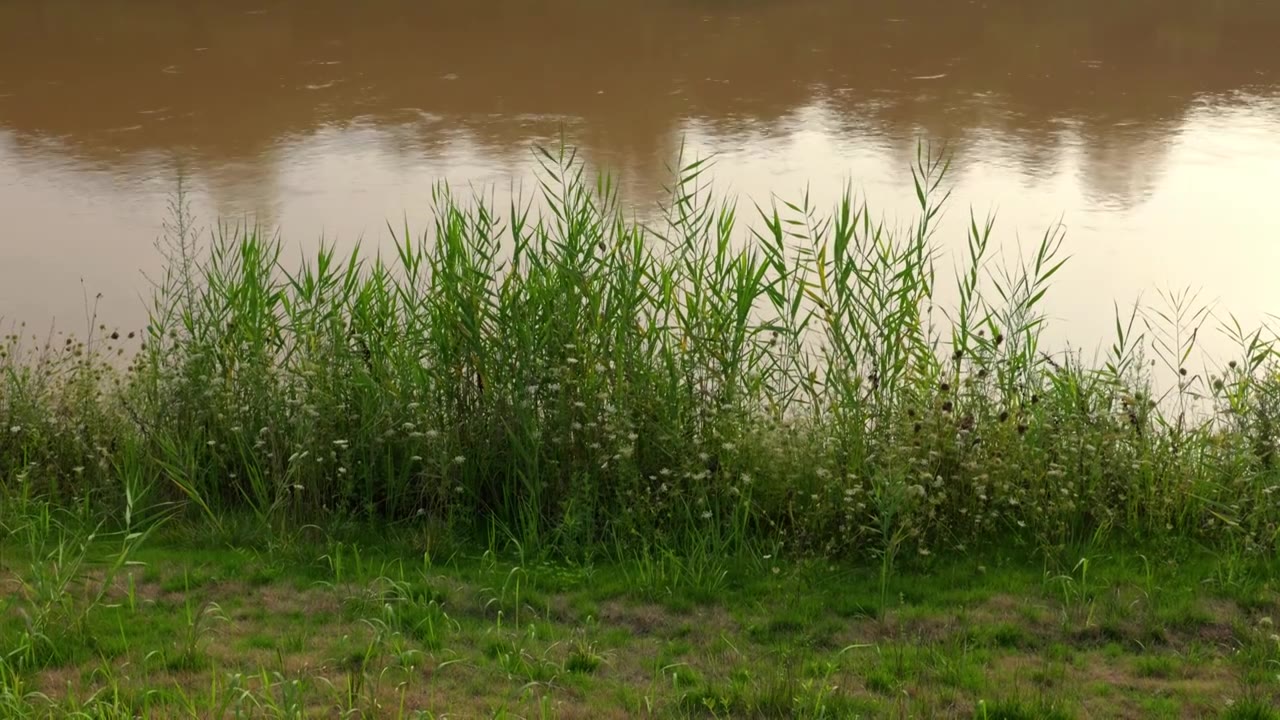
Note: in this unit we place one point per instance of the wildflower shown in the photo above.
(729, 447)
(79, 469)
(297, 487)
(706, 515)
(459, 460)
(433, 434)
(340, 443)
(15, 429)
(416, 458)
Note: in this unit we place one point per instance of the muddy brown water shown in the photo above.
(1151, 128)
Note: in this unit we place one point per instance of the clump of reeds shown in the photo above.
(569, 375)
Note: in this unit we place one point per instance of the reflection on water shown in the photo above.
(1152, 128)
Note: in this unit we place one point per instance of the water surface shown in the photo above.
(1151, 128)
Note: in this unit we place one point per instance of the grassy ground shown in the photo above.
(382, 628)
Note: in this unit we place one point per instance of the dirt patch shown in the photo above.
(646, 620)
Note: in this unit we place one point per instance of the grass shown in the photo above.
(483, 634)
(559, 462)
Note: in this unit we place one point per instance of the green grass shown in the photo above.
(560, 458)
(582, 641)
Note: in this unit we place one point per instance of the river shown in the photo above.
(1149, 128)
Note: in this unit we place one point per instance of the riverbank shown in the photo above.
(383, 624)
(674, 418)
